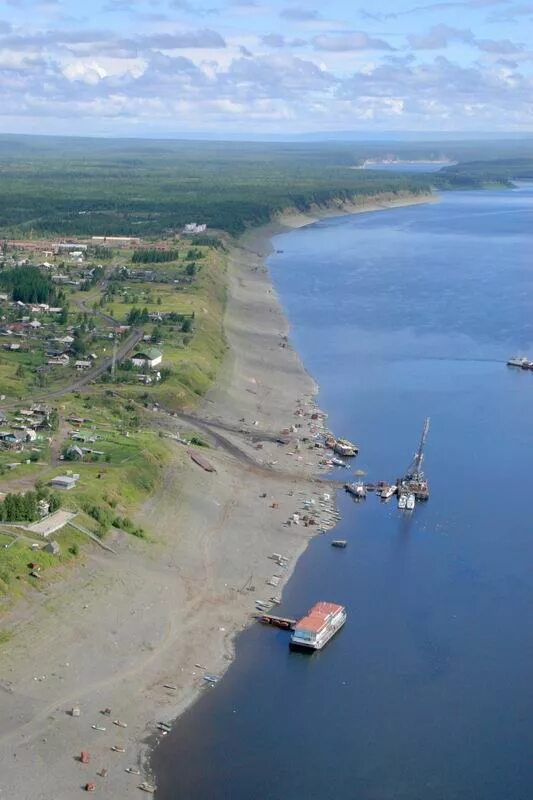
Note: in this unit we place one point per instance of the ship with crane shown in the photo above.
(414, 484)
(409, 489)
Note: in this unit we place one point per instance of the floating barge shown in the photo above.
(342, 447)
(314, 631)
(414, 483)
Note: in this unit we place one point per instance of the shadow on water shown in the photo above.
(425, 693)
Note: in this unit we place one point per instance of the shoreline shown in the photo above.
(190, 596)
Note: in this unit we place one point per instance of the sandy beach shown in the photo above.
(123, 628)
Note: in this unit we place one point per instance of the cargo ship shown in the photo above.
(315, 630)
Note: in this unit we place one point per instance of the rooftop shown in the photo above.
(317, 617)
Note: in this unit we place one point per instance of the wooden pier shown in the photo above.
(279, 622)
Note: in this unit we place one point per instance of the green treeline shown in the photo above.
(29, 285)
(25, 507)
(152, 188)
(83, 187)
(154, 256)
(480, 173)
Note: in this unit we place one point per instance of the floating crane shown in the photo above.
(414, 473)
(414, 482)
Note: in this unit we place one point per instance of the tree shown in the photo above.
(79, 345)
(55, 501)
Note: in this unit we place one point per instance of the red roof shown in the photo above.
(318, 617)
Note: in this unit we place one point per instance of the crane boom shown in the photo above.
(415, 469)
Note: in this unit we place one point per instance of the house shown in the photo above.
(69, 247)
(65, 481)
(151, 357)
(53, 548)
(10, 441)
(3, 298)
(193, 227)
(61, 361)
(75, 453)
(81, 365)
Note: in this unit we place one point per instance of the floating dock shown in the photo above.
(286, 623)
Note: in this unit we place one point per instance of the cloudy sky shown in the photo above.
(171, 67)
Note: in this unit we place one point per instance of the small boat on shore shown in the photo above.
(147, 787)
(339, 543)
(345, 448)
(164, 726)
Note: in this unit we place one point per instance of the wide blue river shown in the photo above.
(426, 694)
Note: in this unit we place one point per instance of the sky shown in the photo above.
(265, 67)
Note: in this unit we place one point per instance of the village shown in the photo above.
(92, 333)
(76, 301)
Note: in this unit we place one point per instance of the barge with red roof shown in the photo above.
(320, 624)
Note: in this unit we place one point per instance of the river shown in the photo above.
(426, 692)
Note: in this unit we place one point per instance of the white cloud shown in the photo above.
(349, 41)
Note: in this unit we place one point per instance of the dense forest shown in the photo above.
(150, 256)
(29, 285)
(501, 171)
(55, 186)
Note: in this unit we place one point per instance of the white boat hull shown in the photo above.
(321, 639)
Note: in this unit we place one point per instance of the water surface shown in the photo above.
(426, 692)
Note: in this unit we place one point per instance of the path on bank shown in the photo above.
(125, 348)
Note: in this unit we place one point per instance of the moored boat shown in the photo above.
(402, 501)
(315, 630)
(388, 492)
(410, 502)
(345, 448)
(358, 490)
(337, 462)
